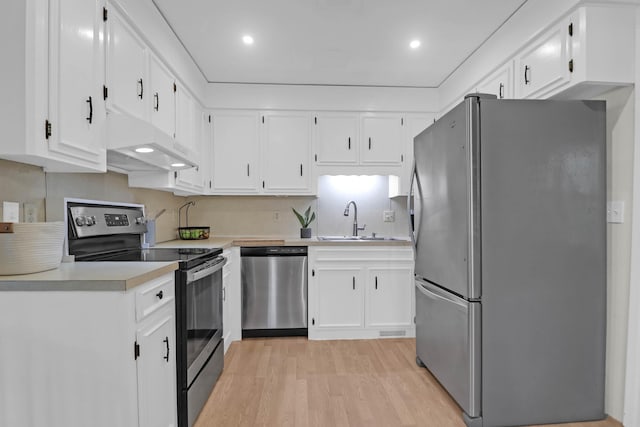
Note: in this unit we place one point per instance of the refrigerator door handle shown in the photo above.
(409, 194)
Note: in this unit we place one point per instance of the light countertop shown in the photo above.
(226, 242)
(89, 276)
(122, 276)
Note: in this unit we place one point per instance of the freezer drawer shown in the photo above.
(448, 343)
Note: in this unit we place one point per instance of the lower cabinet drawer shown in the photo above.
(154, 295)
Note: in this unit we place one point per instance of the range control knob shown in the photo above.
(80, 221)
(90, 220)
(140, 220)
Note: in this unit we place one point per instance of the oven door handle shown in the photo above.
(199, 274)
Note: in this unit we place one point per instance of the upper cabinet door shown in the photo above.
(382, 139)
(76, 105)
(126, 77)
(286, 152)
(336, 137)
(500, 83)
(185, 119)
(163, 103)
(235, 152)
(543, 65)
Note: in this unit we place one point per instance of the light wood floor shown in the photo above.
(295, 382)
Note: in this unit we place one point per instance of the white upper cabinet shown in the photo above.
(499, 83)
(544, 63)
(76, 104)
(163, 104)
(286, 152)
(585, 54)
(126, 79)
(336, 138)
(52, 72)
(186, 112)
(235, 154)
(382, 139)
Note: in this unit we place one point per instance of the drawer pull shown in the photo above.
(166, 341)
(160, 295)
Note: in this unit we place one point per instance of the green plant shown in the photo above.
(305, 219)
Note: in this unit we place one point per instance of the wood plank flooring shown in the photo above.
(295, 382)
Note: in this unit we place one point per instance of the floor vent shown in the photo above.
(400, 333)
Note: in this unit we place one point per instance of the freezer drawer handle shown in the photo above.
(432, 294)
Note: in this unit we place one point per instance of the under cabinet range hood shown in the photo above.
(134, 145)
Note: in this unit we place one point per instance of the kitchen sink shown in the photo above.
(355, 238)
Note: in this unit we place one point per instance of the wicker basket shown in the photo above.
(193, 233)
(31, 247)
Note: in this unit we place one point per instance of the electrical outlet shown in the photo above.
(30, 211)
(615, 212)
(389, 216)
(276, 216)
(10, 212)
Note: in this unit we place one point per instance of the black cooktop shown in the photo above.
(183, 255)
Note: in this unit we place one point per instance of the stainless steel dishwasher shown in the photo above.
(274, 291)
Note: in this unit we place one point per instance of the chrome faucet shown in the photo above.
(355, 217)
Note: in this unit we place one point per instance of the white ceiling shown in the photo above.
(333, 42)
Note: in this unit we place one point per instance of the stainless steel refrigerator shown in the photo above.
(509, 227)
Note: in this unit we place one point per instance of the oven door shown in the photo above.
(203, 320)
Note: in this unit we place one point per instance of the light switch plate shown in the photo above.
(10, 212)
(389, 216)
(615, 212)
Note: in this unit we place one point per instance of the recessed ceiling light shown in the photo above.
(144, 150)
(247, 40)
(414, 44)
(177, 165)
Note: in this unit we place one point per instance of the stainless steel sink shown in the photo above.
(354, 238)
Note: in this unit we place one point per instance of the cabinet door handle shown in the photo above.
(354, 283)
(369, 143)
(501, 91)
(90, 118)
(248, 169)
(349, 143)
(160, 295)
(166, 341)
(224, 294)
(376, 283)
(527, 70)
(157, 101)
(141, 87)
(300, 169)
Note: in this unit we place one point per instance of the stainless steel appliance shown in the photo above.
(102, 231)
(511, 258)
(274, 291)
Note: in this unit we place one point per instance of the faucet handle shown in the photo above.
(362, 228)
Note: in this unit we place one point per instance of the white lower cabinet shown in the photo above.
(338, 297)
(388, 302)
(89, 358)
(357, 292)
(231, 298)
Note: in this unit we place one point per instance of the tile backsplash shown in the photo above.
(226, 215)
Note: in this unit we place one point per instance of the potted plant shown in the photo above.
(305, 220)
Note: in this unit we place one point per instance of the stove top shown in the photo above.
(186, 256)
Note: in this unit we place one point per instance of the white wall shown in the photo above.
(371, 196)
(307, 97)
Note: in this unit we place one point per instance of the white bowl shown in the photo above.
(32, 247)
